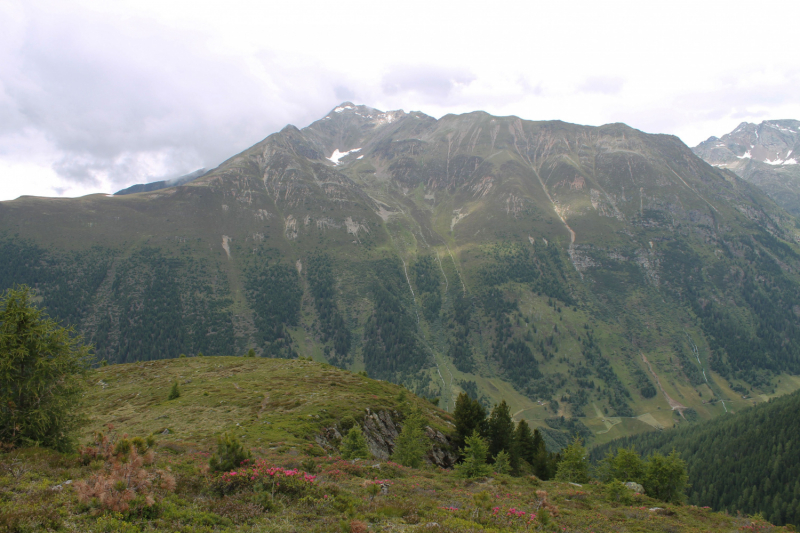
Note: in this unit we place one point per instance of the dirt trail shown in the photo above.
(676, 406)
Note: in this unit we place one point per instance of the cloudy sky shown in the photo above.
(98, 95)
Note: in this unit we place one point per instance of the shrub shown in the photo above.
(264, 477)
(124, 481)
(230, 454)
(346, 423)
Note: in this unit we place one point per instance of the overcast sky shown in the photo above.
(98, 95)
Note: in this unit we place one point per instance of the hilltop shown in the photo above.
(265, 402)
(599, 274)
(279, 408)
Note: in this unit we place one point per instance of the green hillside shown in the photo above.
(746, 462)
(599, 274)
(283, 412)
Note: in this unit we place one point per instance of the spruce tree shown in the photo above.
(474, 452)
(469, 416)
(523, 448)
(501, 429)
(354, 445)
(41, 370)
(411, 445)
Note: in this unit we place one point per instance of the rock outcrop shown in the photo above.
(381, 429)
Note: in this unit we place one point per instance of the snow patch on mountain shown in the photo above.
(337, 155)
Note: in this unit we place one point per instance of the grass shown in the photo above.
(264, 401)
(276, 407)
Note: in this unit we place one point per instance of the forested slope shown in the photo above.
(747, 462)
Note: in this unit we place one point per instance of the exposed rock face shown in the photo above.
(381, 430)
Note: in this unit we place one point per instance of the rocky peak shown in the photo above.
(773, 142)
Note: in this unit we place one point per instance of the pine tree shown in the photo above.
(501, 429)
(474, 452)
(574, 465)
(411, 444)
(354, 445)
(41, 365)
(469, 416)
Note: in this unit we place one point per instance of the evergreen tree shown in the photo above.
(41, 366)
(251, 353)
(523, 448)
(665, 477)
(502, 462)
(174, 392)
(501, 429)
(574, 464)
(474, 452)
(411, 445)
(469, 417)
(625, 466)
(354, 445)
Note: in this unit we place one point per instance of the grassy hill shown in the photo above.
(277, 408)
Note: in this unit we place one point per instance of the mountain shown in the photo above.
(746, 462)
(163, 184)
(599, 274)
(764, 154)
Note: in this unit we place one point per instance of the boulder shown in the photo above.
(635, 487)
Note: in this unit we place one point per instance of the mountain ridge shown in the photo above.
(764, 154)
(531, 261)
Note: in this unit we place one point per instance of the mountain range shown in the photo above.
(764, 154)
(601, 280)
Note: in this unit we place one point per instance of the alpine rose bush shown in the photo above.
(263, 476)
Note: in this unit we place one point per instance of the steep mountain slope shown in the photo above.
(746, 462)
(764, 154)
(592, 272)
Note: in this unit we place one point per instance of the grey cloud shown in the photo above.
(435, 83)
(118, 99)
(602, 85)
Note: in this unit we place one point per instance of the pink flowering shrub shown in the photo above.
(261, 476)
